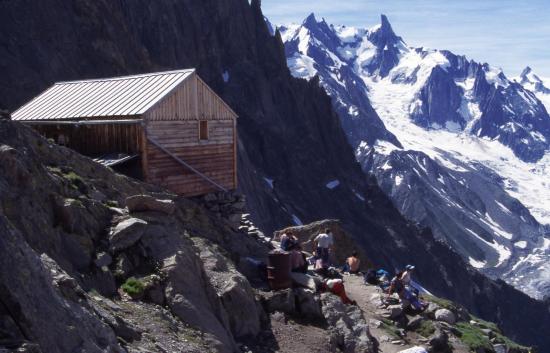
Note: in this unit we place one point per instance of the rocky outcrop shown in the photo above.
(44, 306)
(66, 274)
(348, 329)
(141, 203)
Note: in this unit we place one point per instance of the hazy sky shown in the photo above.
(510, 34)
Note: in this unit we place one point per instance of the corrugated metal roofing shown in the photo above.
(116, 96)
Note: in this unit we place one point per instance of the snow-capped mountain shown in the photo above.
(472, 150)
(534, 83)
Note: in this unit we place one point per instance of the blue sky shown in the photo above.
(510, 34)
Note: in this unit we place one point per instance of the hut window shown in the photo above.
(203, 130)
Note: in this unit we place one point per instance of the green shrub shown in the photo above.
(133, 287)
(426, 328)
(473, 337)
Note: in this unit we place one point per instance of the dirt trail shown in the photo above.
(367, 298)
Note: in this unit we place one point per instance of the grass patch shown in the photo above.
(486, 324)
(473, 337)
(388, 326)
(426, 328)
(444, 303)
(111, 203)
(76, 182)
(133, 287)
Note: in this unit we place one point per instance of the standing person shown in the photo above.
(352, 264)
(406, 278)
(323, 244)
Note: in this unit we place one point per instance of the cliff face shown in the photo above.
(294, 161)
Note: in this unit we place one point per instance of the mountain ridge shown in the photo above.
(460, 114)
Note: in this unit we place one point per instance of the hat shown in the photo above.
(409, 267)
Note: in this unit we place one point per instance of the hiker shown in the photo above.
(352, 264)
(336, 286)
(406, 296)
(407, 280)
(287, 240)
(298, 261)
(324, 244)
(396, 285)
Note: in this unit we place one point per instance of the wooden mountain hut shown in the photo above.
(167, 128)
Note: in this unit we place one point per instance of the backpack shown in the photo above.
(370, 277)
(396, 286)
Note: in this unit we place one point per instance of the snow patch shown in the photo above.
(522, 244)
(269, 182)
(476, 264)
(225, 76)
(296, 220)
(332, 184)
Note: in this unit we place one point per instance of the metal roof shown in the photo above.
(116, 96)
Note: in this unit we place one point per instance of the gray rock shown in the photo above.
(123, 266)
(309, 303)
(141, 203)
(439, 342)
(126, 234)
(416, 349)
(414, 322)
(500, 348)
(281, 300)
(394, 311)
(445, 315)
(430, 310)
(488, 332)
(191, 297)
(348, 329)
(97, 195)
(103, 259)
(48, 300)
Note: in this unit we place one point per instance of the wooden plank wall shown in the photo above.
(192, 100)
(174, 123)
(94, 140)
(214, 157)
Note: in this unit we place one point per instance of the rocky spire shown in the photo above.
(383, 34)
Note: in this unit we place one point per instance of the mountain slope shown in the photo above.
(478, 134)
(295, 162)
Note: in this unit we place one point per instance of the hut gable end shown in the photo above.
(193, 99)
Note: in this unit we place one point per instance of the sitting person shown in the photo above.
(298, 262)
(336, 286)
(287, 240)
(406, 296)
(352, 264)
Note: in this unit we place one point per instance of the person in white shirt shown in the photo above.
(324, 243)
(407, 280)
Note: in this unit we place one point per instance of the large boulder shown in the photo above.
(233, 289)
(308, 304)
(349, 332)
(281, 300)
(445, 315)
(142, 203)
(126, 234)
(416, 349)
